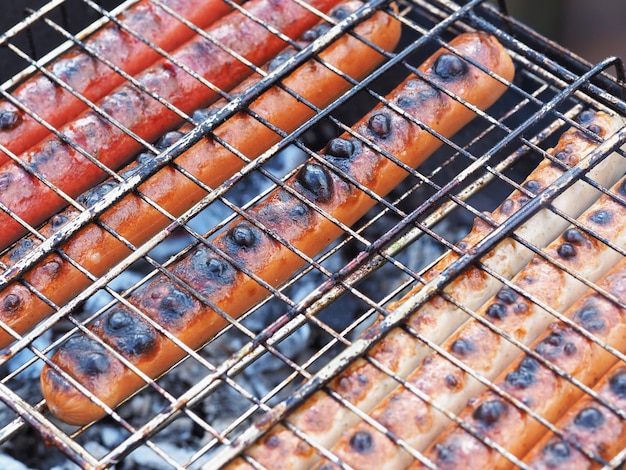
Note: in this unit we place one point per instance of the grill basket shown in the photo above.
(220, 400)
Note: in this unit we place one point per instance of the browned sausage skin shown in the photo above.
(284, 214)
(73, 173)
(589, 425)
(486, 352)
(96, 250)
(92, 78)
(543, 391)
(363, 384)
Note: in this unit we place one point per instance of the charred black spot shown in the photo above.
(497, 311)
(618, 384)
(5, 181)
(428, 93)
(507, 207)
(89, 198)
(451, 381)
(200, 115)
(57, 222)
(362, 442)
(520, 307)
(280, 59)
(601, 217)
(90, 356)
(489, 412)
(8, 119)
(597, 130)
(406, 101)
(589, 318)
(174, 305)
(524, 376)
(341, 148)
(22, 247)
(209, 267)
(314, 33)
(141, 159)
(317, 181)
(461, 348)
(569, 349)
(52, 268)
(129, 334)
(243, 235)
(414, 83)
(551, 345)
(299, 212)
(380, 124)
(574, 236)
(555, 338)
(589, 418)
(11, 303)
(272, 441)
(424, 90)
(340, 13)
(168, 139)
(566, 251)
(507, 295)
(144, 157)
(204, 48)
(445, 453)
(532, 186)
(449, 66)
(556, 452)
(586, 117)
(562, 156)
(67, 70)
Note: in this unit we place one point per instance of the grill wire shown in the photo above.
(191, 416)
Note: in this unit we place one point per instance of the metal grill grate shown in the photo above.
(213, 406)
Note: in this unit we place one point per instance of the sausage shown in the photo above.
(97, 250)
(482, 350)
(94, 79)
(317, 181)
(363, 384)
(73, 173)
(589, 425)
(540, 389)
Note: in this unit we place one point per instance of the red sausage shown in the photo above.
(231, 290)
(134, 219)
(73, 173)
(92, 78)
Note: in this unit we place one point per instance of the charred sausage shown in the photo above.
(363, 384)
(589, 425)
(318, 181)
(539, 388)
(97, 250)
(484, 351)
(73, 173)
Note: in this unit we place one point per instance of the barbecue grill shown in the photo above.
(211, 407)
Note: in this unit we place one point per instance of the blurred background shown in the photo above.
(592, 29)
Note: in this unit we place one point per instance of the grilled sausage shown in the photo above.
(533, 384)
(482, 350)
(282, 213)
(73, 173)
(363, 384)
(94, 79)
(588, 425)
(97, 250)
